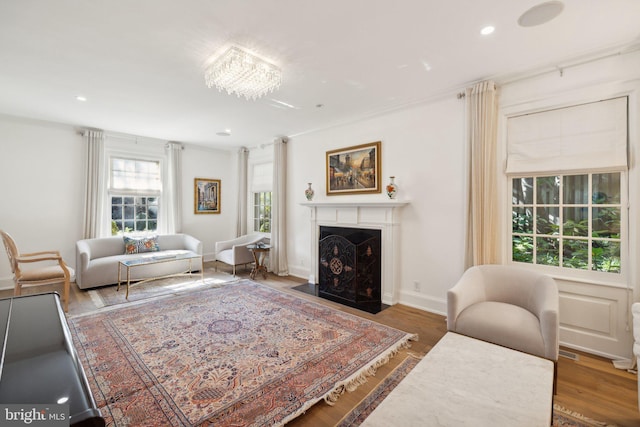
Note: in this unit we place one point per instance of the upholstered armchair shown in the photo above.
(635, 310)
(507, 305)
(37, 268)
(234, 252)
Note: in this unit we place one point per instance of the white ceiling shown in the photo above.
(140, 62)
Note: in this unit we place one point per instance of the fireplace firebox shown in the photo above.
(350, 267)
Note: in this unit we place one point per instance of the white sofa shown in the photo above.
(97, 259)
(234, 252)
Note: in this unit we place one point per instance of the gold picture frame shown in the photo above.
(354, 170)
(206, 196)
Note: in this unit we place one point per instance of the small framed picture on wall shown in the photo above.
(206, 195)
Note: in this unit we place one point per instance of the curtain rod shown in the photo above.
(560, 68)
(284, 140)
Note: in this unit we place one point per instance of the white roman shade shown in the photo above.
(584, 137)
(138, 175)
(262, 177)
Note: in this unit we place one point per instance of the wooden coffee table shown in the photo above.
(463, 381)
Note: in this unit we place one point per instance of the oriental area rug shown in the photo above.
(108, 295)
(562, 417)
(243, 355)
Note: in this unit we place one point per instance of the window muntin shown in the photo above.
(134, 191)
(132, 214)
(262, 212)
(568, 221)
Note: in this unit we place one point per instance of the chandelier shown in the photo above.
(237, 71)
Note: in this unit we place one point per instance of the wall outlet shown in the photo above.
(416, 286)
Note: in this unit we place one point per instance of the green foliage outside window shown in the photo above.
(133, 214)
(262, 212)
(574, 221)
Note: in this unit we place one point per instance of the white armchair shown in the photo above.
(508, 306)
(635, 310)
(234, 252)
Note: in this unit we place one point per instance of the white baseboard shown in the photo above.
(424, 302)
(299, 271)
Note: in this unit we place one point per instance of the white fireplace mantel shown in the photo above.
(383, 216)
(385, 204)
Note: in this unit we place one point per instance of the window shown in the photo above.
(260, 191)
(262, 212)
(135, 187)
(133, 214)
(569, 221)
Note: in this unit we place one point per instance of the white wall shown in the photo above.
(42, 189)
(200, 162)
(594, 315)
(423, 147)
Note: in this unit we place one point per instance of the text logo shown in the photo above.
(34, 415)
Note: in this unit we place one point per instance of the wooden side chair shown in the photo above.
(48, 268)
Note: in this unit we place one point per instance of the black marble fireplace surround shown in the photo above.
(350, 267)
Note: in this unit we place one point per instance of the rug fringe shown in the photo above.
(361, 377)
(355, 380)
(579, 416)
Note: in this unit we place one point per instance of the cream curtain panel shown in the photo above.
(590, 136)
(241, 218)
(94, 184)
(278, 254)
(483, 239)
(173, 194)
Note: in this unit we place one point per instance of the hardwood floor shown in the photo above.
(589, 385)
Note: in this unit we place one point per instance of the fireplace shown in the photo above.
(379, 216)
(350, 267)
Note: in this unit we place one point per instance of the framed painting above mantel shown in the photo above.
(354, 170)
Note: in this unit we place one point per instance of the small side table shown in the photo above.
(260, 252)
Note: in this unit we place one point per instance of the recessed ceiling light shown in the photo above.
(81, 98)
(226, 132)
(541, 14)
(487, 30)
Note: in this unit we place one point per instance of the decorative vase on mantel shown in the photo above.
(392, 188)
(308, 193)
